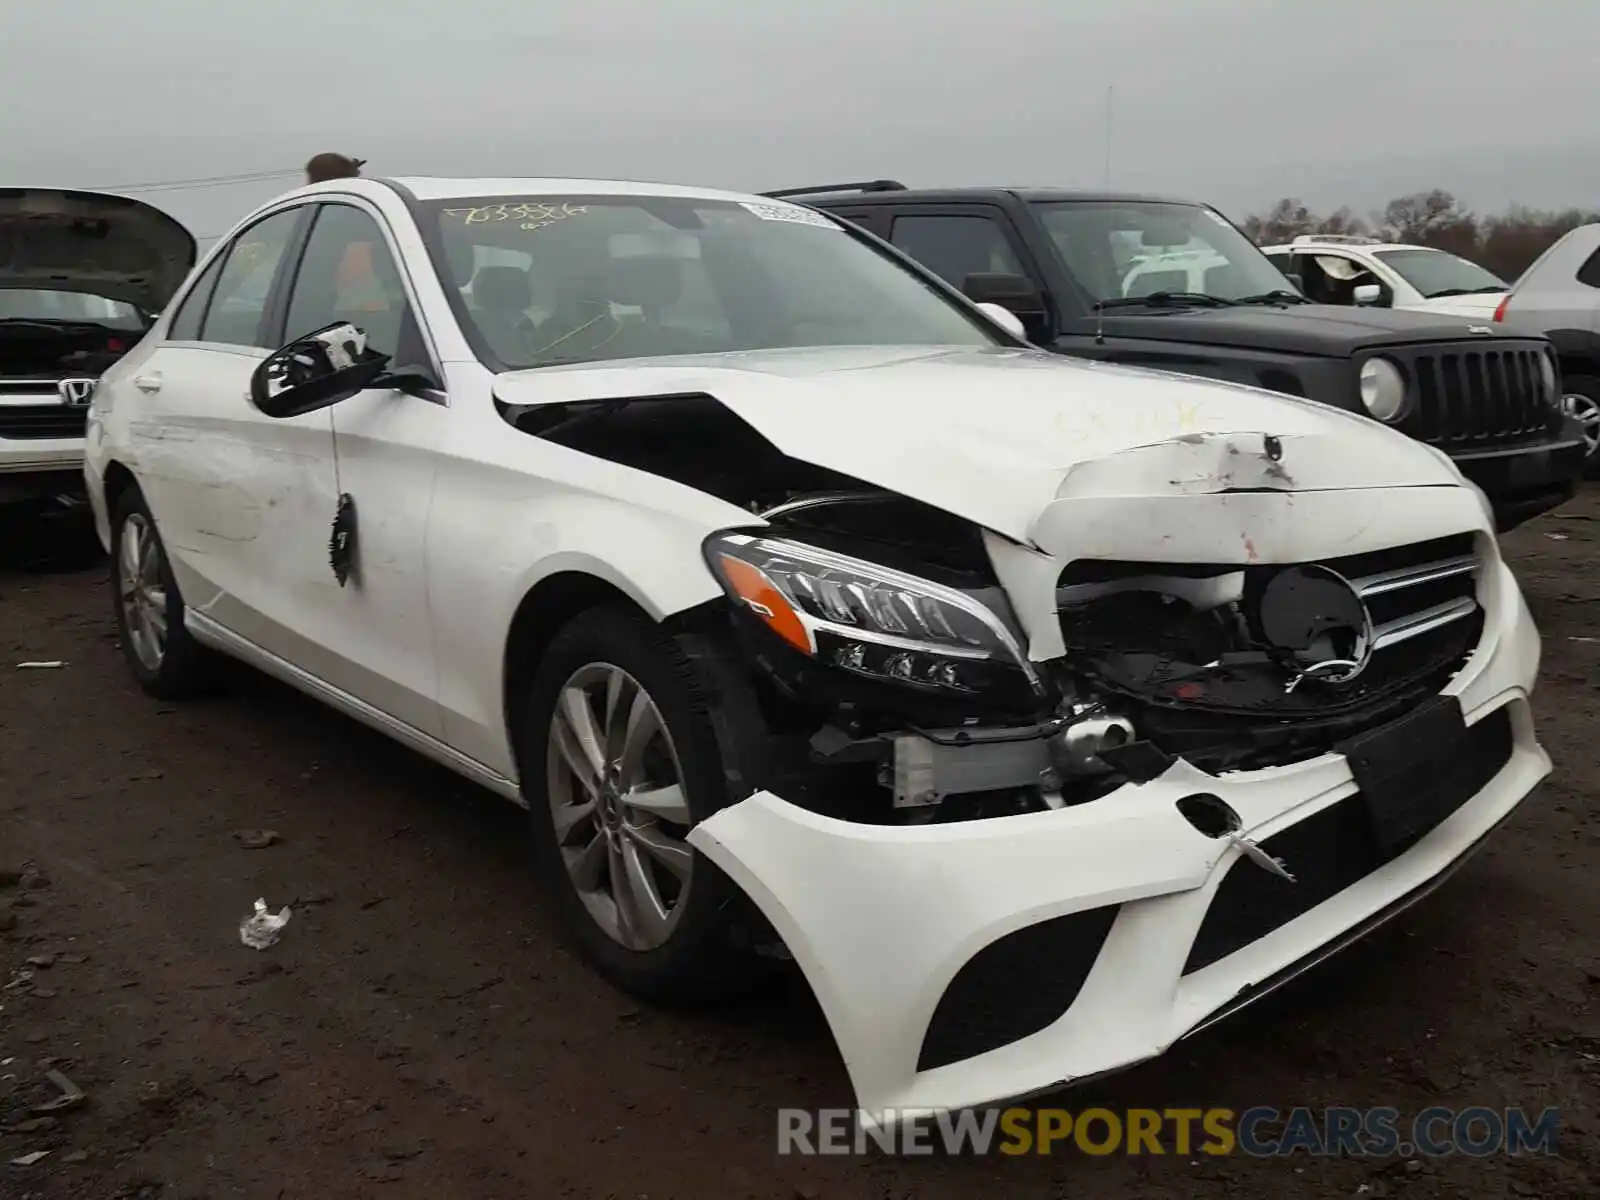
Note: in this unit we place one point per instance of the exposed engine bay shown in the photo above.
(889, 684)
(51, 350)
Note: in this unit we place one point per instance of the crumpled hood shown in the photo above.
(103, 245)
(996, 435)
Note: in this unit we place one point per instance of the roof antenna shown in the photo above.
(1100, 308)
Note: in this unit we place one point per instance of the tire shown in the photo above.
(1582, 400)
(678, 942)
(168, 663)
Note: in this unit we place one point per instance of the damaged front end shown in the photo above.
(1025, 813)
(1040, 778)
(916, 700)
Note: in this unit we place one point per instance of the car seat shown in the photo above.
(501, 297)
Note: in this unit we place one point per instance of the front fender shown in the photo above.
(642, 535)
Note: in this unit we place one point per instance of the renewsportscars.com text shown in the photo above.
(1259, 1132)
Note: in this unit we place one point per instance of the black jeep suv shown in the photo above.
(1174, 285)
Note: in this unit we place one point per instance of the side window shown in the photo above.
(185, 325)
(1589, 273)
(348, 274)
(955, 247)
(234, 314)
(872, 220)
(1285, 264)
(1332, 278)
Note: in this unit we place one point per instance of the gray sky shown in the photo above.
(1233, 101)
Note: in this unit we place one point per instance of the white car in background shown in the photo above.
(82, 275)
(1042, 710)
(1183, 270)
(1364, 271)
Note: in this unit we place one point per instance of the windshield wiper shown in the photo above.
(1276, 296)
(1477, 291)
(1165, 300)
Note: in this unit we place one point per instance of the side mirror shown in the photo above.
(1015, 293)
(1366, 294)
(316, 371)
(1005, 318)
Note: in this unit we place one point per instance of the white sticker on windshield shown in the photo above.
(1218, 218)
(789, 212)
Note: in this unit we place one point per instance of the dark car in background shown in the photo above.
(1174, 285)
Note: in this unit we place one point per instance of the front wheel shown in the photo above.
(159, 648)
(621, 761)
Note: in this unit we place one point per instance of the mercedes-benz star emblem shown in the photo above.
(1316, 620)
(76, 393)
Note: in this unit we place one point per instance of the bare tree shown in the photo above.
(1505, 244)
(1288, 219)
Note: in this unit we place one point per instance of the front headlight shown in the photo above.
(864, 618)
(1383, 389)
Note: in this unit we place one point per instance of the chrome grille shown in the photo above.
(31, 408)
(1415, 591)
(1411, 601)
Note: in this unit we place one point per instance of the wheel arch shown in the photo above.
(117, 480)
(1578, 351)
(545, 608)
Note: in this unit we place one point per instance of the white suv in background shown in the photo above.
(82, 277)
(1334, 269)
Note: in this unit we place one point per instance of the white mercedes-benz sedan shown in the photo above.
(1041, 711)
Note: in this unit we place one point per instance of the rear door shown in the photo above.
(242, 501)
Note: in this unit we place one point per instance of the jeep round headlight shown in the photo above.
(1547, 379)
(1383, 389)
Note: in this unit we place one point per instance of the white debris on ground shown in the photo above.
(261, 928)
(53, 665)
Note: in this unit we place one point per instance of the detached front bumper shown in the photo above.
(969, 963)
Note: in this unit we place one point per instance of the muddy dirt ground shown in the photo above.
(421, 1031)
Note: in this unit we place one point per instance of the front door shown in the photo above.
(374, 633)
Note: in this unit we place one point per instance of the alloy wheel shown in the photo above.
(1587, 413)
(142, 591)
(617, 803)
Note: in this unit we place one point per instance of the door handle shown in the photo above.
(147, 383)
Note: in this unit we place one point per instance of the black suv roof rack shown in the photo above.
(871, 185)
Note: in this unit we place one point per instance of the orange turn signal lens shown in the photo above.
(762, 597)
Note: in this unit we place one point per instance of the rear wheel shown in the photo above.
(621, 762)
(163, 655)
(1582, 402)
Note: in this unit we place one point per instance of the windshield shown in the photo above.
(1116, 251)
(1437, 273)
(551, 279)
(29, 304)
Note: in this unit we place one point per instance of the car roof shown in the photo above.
(425, 187)
(1353, 247)
(1043, 194)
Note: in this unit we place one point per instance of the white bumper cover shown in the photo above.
(34, 455)
(882, 918)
